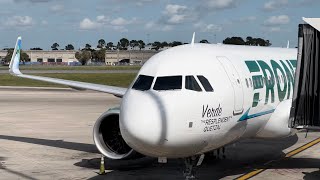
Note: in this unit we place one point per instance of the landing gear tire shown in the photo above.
(217, 154)
(191, 163)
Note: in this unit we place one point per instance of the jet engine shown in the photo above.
(108, 139)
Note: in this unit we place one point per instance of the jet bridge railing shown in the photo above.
(305, 112)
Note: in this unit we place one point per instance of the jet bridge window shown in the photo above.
(168, 83)
(192, 84)
(205, 83)
(143, 83)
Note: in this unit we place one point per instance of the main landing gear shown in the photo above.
(217, 154)
(191, 163)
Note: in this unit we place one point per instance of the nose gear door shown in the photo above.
(234, 78)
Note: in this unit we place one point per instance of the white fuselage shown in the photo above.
(248, 84)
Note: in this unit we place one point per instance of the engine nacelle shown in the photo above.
(107, 136)
(278, 124)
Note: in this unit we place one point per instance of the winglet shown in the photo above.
(288, 45)
(15, 60)
(193, 37)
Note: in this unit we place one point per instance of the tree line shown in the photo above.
(250, 41)
(98, 54)
(24, 57)
(122, 44)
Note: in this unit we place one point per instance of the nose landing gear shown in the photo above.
(191, 163)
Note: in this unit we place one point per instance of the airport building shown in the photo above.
(113, 57)
(132, 57)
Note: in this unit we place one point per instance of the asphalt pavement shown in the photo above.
(47, 134)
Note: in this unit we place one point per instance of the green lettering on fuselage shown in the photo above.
(276, 67)
(271, 76)
(270, 84)
(289, 78)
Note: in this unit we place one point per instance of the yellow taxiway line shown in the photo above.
(288, 155)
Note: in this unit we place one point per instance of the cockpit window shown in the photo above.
(205, 83)
(168, 83)
(143, 83)
(192, 84)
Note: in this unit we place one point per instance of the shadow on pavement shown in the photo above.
(4, 168)
(123, 165)
(90, 148)
(312, 175)
(21, 175)
(241, 157)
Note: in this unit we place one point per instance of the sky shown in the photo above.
(77, 22)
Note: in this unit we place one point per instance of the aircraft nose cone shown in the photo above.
(141, 121)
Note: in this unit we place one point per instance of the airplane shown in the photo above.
(193, 99)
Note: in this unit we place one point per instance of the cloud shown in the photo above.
(174, 14)
(274, 29)
(277, 20)
(118, 24)
(19, 21)
(172, 9)
(275, 4)
(211, 28)
(136, 2)
(5, 1)
(120, 28)
(308, 2)
(247, 19)
(34, 1)
(219, 4)
(57, 8)
(102, 19)
(88, 24)
(206, 7)
(143, 2)
(122, 22)
(154, 26)
(44, 22)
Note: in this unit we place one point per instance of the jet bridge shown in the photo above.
(305, 110)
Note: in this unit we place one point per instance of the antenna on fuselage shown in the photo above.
(288, 45)
(193, 37)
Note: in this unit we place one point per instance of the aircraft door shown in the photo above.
(236, 83)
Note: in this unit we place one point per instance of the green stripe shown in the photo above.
(252, 66)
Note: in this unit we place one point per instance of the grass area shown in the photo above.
(75, 67)
(122, 80)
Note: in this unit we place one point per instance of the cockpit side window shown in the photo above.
(205, 83)
(192, 84)
(143, 83)
(168, 83)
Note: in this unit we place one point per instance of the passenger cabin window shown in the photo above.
(143, 83)
(168, 83)
(205, 83)
(192, 84)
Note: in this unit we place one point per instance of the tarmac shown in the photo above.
(46, 133)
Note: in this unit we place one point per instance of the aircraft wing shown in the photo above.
(14, 70)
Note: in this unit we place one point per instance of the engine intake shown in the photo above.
(108, 138)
